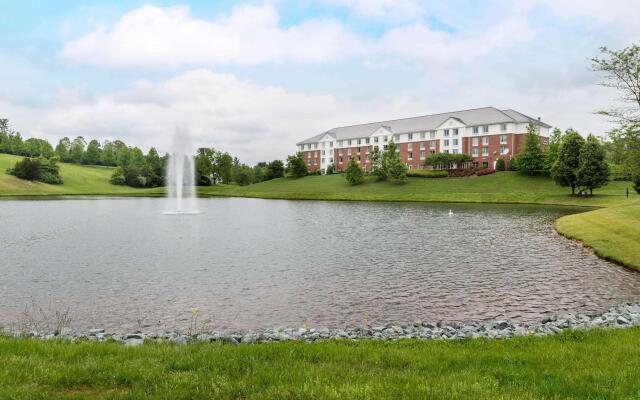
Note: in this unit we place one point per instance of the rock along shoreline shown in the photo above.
(621, 316)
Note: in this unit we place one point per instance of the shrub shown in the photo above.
(37, 169)
(354, 174)
(421, 173)
(117, 178)
(636, 182)
(331, 169)
(27, 168)
(500, 164)
(460, 173)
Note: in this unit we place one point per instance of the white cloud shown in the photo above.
(167, 37)
(251, 121)
(390, 10)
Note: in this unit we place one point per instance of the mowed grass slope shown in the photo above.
(78, 180)
(501, 187)
(613, 233)
(593, 364)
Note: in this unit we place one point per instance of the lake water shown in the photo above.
(249, 263)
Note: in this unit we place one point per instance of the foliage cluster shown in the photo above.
(39, 169)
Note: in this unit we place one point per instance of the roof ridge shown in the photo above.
(417, 116)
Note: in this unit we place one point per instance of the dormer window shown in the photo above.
(410, 136)
(475, 130)
(446, 133)
(485, 129)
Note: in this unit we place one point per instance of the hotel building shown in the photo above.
(486, 134)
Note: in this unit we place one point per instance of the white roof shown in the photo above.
(477, 116)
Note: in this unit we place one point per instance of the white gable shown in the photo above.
(451, 123)
(326, 138)
(382, 131)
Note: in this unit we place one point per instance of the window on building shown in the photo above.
(358, 157)
(331, 160)
(485, 164)
(455, 142)
(503, 127)
(455, 151)
(503, 139)
(446, 151)
(330, 144)
(485, 151)
(446, 142)
(410, 155)
(423, 145)
(323, 160)
(396, 138)
(422, 155)
(432, 135)
(485, 129)
(375, 139)
(503, 149)
(433, 144)
(359, 142)
(455, 131)
(322, 152)
(349, 151)
(367, 140)
(349, 142)
(410, 136)
(339, 143)
(340, 160)
(384, 147)
(475, 130)
(386, 138)
(422, 135)
(474, 151)
(446, 133)
(323, 143)
(485, 140)
(474, 141)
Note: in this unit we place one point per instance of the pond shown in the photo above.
(120, 264)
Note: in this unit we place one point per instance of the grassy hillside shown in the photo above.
(613, 233)
(593, 364)
(78, 180)
(501, 187)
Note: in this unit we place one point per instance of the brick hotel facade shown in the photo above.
(486, 134)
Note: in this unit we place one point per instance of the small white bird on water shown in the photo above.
(450, 213)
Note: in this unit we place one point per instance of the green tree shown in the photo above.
(593, 171)
(621, 70)
(76, 154)
(275, 169)
(392, 164)
(117, 177)
(564, 169)
(377, 165)
(353, 173)
(531, 157)
(553, 149)
(62, 149)
(16, 144)
(296, 166)
(224, 167)
(93, 154)
(109, 157)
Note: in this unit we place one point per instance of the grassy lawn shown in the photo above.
(593, 364)
(501, 187)
(78, 180)
(613, 233)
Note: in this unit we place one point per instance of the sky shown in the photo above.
(255, 77)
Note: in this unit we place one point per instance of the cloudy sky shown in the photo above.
(253, 78)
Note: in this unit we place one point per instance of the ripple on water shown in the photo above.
(250, 263)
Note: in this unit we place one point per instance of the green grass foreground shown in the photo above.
(593, 364)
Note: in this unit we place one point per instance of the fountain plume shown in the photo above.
(181, 175)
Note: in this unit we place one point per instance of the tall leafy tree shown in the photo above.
(275, 169)
(62, 149)
(621, 70)
(393, 165)
(531, 157)
(377, 165)
(76, 154)
(93, 154)
(109, 154)
(353, 173)
(564, 169)
(593, 171)
(296, 166)
(553, 149)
